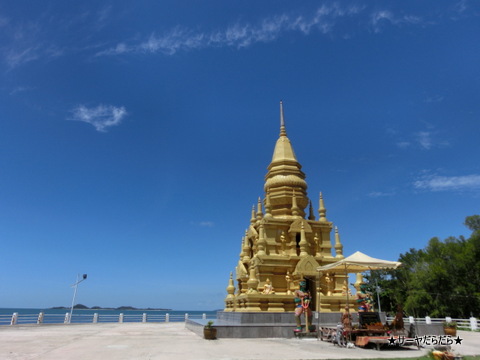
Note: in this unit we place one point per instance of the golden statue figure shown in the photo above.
(268, 288)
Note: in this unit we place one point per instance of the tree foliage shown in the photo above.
(443, 279)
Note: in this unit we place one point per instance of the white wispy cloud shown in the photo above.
(424, 139)
(36, 40)
(16, 57)
(381, 17)
(45, 36)
(102, 16)
(24, 43)
(460, 6)
(403, 144)
(20, 89)
(445, 183)
(239, 35)
(203, 223)
(377, 194)
(101, 117)
(434, 99)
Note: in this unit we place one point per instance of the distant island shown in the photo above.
(83, 307)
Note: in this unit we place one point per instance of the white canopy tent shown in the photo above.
(359, 262)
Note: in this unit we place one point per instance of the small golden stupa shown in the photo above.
(286, 243)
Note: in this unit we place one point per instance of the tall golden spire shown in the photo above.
(285, 176)
(283, 131)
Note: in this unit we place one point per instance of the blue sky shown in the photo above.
(135, 136)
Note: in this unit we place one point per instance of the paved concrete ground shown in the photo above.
(134, 341)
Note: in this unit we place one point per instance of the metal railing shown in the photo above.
(42, 318)
(78, 318)
(462, 324)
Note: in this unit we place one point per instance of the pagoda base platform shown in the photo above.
(260, 325)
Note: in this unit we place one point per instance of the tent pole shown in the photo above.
(378, 294)
(348, 302)
(317, 306)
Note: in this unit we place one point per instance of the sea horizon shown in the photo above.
(58, 316)
(57, 309)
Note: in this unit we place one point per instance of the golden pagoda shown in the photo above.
(285, 243)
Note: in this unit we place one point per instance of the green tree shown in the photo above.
(473, 222)
(443, 279)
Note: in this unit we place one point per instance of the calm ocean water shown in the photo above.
(54, 316)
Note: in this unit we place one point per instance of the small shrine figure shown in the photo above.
(268, 288)
(347, 319)
(302, 306)
(328, 280)
(283, 241)
(364, 299)
(288, 280)
(345, 289)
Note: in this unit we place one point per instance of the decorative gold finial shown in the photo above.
(246, 248)
(283, 131)
(338, 245)
(242, 250)
(268, 206)
(321, 210)
(295, 209)
(303, 242)
(253, 218)
(252, 282)
(259, 209)
(230, 288)
(262, 242)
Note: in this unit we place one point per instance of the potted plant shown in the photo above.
(209, 332)
(450, 328)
